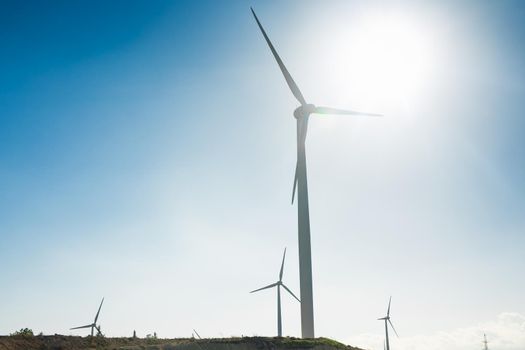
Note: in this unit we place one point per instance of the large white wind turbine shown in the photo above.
(302, 113)
(279, 284)
(93, 325)
(387, 321)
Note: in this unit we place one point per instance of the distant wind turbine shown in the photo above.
(302, 114)
(197, 333)
(387, 321)
(93, 325)
(199, 345)
(485, 342)
(279, 284)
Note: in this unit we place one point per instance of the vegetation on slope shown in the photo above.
(26, 341)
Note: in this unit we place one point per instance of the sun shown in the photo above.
(387, 59)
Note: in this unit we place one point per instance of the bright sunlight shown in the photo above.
(388, 59)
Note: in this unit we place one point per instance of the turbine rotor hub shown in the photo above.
(304, 111)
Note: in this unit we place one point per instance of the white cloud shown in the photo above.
(507, 332)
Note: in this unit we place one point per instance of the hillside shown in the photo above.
(60, 342)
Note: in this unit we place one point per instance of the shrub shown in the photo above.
(23, 332)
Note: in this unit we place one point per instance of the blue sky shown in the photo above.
(147, 155)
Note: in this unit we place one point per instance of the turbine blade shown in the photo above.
(388, 311)
(381, 319)
(328, 110)
(268, 286)
(86, 326)
(282, 267)
(289, 291)
(98, 312)
(197, 334)
(303, 129)
(291, 83)
(391, 325)
(294, 182)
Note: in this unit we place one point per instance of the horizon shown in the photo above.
(147, 155)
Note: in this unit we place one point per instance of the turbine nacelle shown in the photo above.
(304, 111)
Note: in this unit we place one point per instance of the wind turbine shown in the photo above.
(279, 284)
(93, 325)
(485, 342)
(387, 321)
(302, 114)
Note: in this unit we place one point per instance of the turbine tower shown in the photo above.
(302, 114)
(387, 321)
(485, 342)
(279, 284)
(93, 325)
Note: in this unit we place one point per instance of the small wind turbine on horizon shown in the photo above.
(302, 114)
(93, 325)
(196, 333)
(279, 284)
(485, 342)
(387, 321)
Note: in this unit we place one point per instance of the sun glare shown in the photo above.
(388, 58)
(394, 57)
